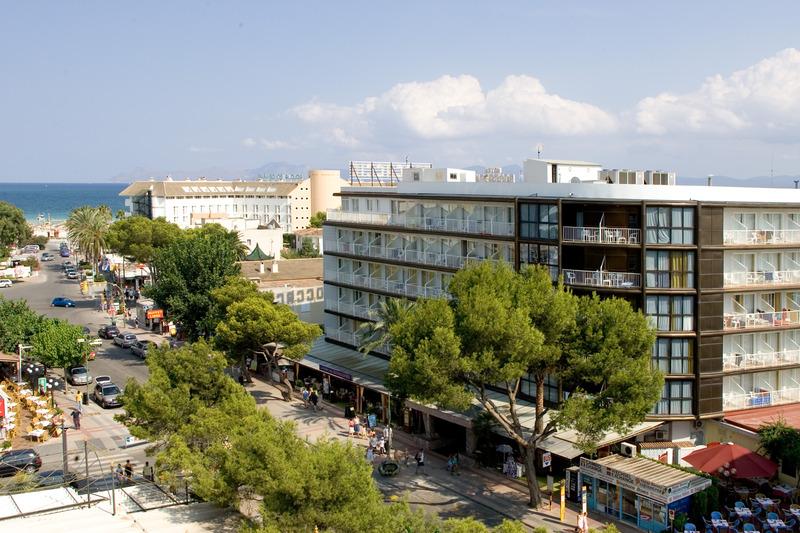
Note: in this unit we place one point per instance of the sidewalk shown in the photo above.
(478, 492)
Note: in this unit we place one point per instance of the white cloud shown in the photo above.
(761, 100)
(203, 150)
(267, 144)
(455, 107)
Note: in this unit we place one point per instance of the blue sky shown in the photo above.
(95, 89)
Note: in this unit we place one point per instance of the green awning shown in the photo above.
(257, 255)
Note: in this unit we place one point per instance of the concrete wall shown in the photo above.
(324, 184)
(307, 302)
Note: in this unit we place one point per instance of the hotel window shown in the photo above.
(673, 356)
(668, 269)
(676, 399)
(540, 254)
(670, 225)
(538, 221)
(670, 313)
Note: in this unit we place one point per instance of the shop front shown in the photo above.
(636, 490)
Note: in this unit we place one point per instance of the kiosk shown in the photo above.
(637, 490)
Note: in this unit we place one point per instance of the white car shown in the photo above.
(5, 283)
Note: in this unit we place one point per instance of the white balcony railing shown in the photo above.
(762, 236)
(747, 361)
(760, 398)
(393, 286)
(479, 227)
(343, 336)
(762, 277)
(353, 309)
(453, 261)
(602, 278)
(761, 320)
(601, 235)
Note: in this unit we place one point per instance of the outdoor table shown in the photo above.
(719, 523)
(37, 434)
(782, 491)
(25, 392)
(40, 402)
(44, 423)
(42, 411)
(743, 512)
(776, 524)
(795, 512)
(48, 415)
(765, 502)
(10, 425)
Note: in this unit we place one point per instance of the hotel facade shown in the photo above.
(716, 269)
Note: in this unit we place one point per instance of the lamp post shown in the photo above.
(21, 348)
(34, 370)
(52, 385)
(86, 364)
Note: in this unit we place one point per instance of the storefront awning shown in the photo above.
(563, 443)
(9, 358)
(347, 364)
(645, 477)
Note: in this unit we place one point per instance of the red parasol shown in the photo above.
(731, 460)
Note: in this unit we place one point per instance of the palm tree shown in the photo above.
(375, 334)
(88, 227)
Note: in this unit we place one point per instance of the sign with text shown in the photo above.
(336, 373)
(155, 313)
(547, 459)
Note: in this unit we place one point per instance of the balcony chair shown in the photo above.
(716, 515)
(749, 527)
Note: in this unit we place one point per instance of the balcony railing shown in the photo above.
(760, 398)
(478, 227)
(359, 310)
(601, 278)
(747, 361)
(601, 235)
(762, 236)
(761, 320)
(396, 287)
(453, 261)
(762, 277)
(343, 336)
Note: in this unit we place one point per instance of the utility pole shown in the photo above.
(65, 460)
(86, 466)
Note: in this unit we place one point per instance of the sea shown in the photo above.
(56, 200)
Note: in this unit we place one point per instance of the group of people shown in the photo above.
(310, 398)
(125, 473)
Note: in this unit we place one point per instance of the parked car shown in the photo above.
(64, 252)
(31, 249)
(102, 380)
(62, 302)
(140, 348)
(25, 459)
(125, 340)
(55, 478)
(71, 274)
(5, 283)
(67, 264)
(47, 256)
(107, 395)
(78, 375)
(108, 332)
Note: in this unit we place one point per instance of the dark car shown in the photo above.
(62, 302)
(64, 252)
(140, 348)
(55, 478)
(108, 332)
(107, 395)
(125, 340)
(24, 460)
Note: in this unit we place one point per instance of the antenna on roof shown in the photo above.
(796, 182)
(539, 148)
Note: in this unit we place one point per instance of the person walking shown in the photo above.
(420, 458)
(128, 470)
(306, 395)
(118, 473)
(79, 400)
(314, 399)
(351, 428)
(147, 471)
(583, 523)
(76, 419)
(370, 456)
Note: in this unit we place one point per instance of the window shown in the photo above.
(670, 225)
(627, 177)
(676, 399)
(673, 356)
(538, 221)
(671, 313)
(660, 178)
(669, 269)
(540, 254)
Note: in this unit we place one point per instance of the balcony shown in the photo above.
(601, 235)
(762, 277)
(343, 336)
(775, 319)
(760, 398)
(602, 278)
(400, 288)
(454, 261)
(749, 361)
(353, 309)
(762, 236)
(477, 227)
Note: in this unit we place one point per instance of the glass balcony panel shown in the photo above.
(601, 278)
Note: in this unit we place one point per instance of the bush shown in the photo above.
(4, 252)
(40, 240)
(31, 262)
(99, 277)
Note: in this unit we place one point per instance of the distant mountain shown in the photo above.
(276, 169)
(782, 182)
(269, 169)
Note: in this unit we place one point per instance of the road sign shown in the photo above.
(547, 459)
(672, 514)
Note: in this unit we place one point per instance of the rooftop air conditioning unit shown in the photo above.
(627, 449)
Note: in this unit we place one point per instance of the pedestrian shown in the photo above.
(357, 426)
(79, 399)
(76, 419)
(351, 425)
(583, 523)
(147, 471)
(381, 445)
(128, 469)
(118, 473)
(136, 322)
(370, 455)
(314, 398)
(420, 458)
(373, 441)
(306, 395)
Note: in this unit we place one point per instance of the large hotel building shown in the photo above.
(716, 269)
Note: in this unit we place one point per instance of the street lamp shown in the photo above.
(34, 370)
(52, 385)
(21, 348)
(86, 364)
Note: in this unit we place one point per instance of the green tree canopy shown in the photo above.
(500, 327)
(14, 229)
(781, 441)
(189, 269)
(59, 344)
(87, 227)
(139, 237)
(317, 219)
(18, 323)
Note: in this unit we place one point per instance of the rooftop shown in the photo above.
(288, 269)
(209, 188)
